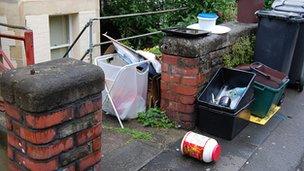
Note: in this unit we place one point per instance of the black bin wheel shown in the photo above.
(300, 88)
(281, 100)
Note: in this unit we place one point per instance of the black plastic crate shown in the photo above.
(232, 78)
(223, 124)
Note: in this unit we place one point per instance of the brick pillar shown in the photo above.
(54, 113)
(180, 83)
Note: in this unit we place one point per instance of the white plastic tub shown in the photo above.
(207, 21)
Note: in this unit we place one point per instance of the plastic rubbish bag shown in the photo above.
(152, 58)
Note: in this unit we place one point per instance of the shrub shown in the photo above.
(144, 24)
(268, 3)
(154, 117)
(241, 52)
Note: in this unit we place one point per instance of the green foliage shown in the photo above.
(241, 52)
(154, 117)
(155, 50)
(268, 3)
(226, 9)
(135, 134)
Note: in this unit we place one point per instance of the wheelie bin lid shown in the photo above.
(281, 15)
(296, 6)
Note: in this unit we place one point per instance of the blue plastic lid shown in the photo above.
(207, 15)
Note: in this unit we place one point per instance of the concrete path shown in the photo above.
(277, 146)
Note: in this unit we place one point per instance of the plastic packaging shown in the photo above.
(127, 85)
(207, 21)
(200, 147)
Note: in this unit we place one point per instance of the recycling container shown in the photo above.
(296, 73)
(247, 9)
(223, 121)
(223, 124)
(269, 87)
(232, 78)
(276, 39)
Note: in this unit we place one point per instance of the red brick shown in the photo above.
(188, 62)
(8, 123)
(186, 90)
(170, 78)
(12, 111)
(164, 103)
(190, 81)
(186, 108)
(173, 106)
(47, 151)
(98, 116)
(49, 119)
(185, 71)
(37, 136)
(170, 59)
(89, 106)
(34, 165)
(201, 78)
(89, 161)
(170, 96)
(188, 100)
(96, 145)
(10, 153)
(16, 142)
(165, 68)
(88, 134)
(172, 115)
(164, 85)
(187, 117)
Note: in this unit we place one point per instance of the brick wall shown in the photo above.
(63, 132)
(180, 83)
(187, 64)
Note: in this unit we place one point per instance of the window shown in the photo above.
(60, 35)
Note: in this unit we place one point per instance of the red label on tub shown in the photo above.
(193, 150)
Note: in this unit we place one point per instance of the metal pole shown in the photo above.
(76, 40)
(91, 41)
(128, 38)
(139, 14)
(14, 27)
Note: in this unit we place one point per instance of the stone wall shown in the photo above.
(187, 64)
(53, 116)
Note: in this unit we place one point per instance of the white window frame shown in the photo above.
(67, 45)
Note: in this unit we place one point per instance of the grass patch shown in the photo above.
(154, 117)
(135, 134)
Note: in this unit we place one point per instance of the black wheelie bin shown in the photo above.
(296, 73)
(276, 38)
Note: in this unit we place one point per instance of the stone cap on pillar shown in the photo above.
(201, 46)
(49, 85)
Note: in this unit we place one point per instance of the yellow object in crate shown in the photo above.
(262, 121)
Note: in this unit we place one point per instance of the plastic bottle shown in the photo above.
(200, 147)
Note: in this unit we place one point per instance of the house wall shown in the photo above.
(34, 14)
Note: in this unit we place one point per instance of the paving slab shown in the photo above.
(131, 157)
(234, 155)
(284, 148)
